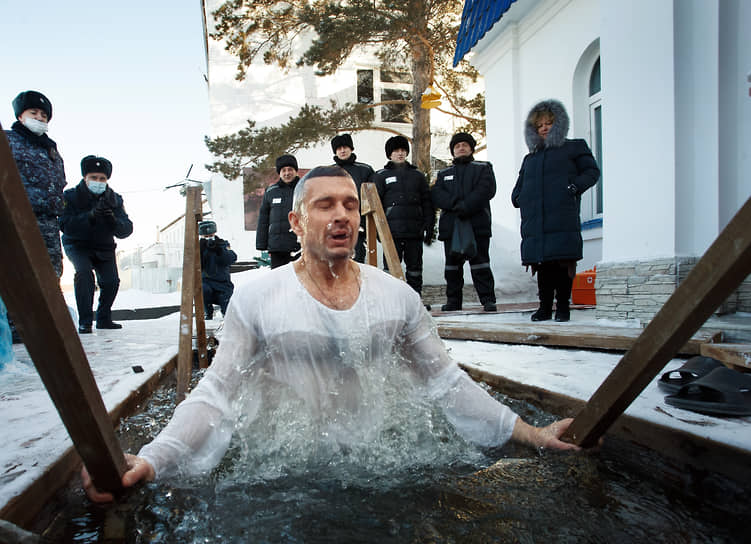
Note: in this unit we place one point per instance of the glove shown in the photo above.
(572, 189)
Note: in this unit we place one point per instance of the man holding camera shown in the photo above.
(93, 214)
(216, 258)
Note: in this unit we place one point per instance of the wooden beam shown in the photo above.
(715, 276)
(190, 254)
(31, 291)
(735, 356)
(371, 207)
(568, 335)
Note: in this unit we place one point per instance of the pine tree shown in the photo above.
(419, 35)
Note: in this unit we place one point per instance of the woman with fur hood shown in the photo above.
(553, 176)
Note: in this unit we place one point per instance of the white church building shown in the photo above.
(661, 90)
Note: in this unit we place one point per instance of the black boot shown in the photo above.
(563, 294)
(545, 292)
(452, 306)
(543, 313)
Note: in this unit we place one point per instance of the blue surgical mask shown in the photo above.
(97, 187)
(35, 126)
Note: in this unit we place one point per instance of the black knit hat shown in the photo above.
(32, 99)
(394, 143)
(462, 137)
(285, 160)
(342, 140)
(92, 163)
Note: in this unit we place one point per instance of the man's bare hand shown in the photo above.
(544, 437)
(138, 469)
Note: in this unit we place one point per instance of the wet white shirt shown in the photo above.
(335, 364)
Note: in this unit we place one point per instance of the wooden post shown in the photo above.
(31, 291)
(190, 254)
(203, 357)
(717, 274)
(371, 207)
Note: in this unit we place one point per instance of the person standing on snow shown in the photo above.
(93, 214)
(41, 169)
(344, 157)
(216, 258)
(405, 196)
(273, 231)
(552, 178)
(463, 191)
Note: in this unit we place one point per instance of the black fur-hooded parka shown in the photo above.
(548, 192)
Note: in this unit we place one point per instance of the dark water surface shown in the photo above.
(615, 495)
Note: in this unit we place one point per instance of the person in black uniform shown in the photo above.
(464, 191)
(273, 232)
(93, 215)
(343, 149)
(216, 258)
(405, 195)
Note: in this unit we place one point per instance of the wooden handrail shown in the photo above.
(372, 209)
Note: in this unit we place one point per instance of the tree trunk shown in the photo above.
(422, 76)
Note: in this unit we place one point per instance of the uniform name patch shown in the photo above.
(277, 200)
(449, 178)
(392, 179)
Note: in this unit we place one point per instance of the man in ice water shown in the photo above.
(318, 328)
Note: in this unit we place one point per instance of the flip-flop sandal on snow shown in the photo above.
(722, 392)
(693, 369)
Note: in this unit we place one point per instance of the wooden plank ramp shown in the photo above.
(735, 356)
(569, 335)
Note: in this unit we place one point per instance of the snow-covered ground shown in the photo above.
(35, 437)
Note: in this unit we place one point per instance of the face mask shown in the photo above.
(97, 187)
(35, 126)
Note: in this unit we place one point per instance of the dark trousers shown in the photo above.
(87, 262)
(280, 258)
(216, 292)
(554, 281)
(479, 267)
(409, 251)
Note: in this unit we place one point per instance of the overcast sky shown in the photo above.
(126, 81)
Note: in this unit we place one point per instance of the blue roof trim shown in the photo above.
(478, 17)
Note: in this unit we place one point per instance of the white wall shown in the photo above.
(735, 107)
(638, 136)
(523, 62)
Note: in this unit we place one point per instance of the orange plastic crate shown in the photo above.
(583, 289)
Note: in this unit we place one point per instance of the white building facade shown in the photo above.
(660, 90)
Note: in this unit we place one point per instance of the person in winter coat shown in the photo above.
(405, 195)
(273, 232)
(41, 167)
(93, 214)
(343, 148)
(548, 192)
(216, 258)
(463, 191)
(42, 172)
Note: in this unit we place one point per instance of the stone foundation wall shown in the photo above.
(638, 289)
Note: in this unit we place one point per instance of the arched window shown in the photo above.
(595, 127)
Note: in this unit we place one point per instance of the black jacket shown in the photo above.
(551, 180)
(405, 196)
(360, 172)
(82, 228)
(464, 190)
(273, 230)
(216, 258)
